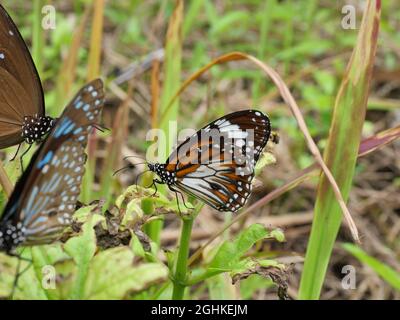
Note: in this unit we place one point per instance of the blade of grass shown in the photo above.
(155, 92)
(380, 139)
(118, 134)
(384, 271)
(172, 72)
(67, 76)
(96, 40)
(269, 7)
(341, 152)
(37, 36)
(191, 15)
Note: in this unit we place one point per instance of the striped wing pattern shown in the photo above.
(220, 171)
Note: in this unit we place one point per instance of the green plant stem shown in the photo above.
(182, 261)
(37, 36)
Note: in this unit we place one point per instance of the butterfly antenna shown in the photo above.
(129, 166)
(127, 157)
(101, 128)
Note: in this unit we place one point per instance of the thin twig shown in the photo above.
(287, 96)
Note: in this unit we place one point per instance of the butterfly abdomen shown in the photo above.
(11, 236)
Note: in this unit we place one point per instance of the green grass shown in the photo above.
(343, 143)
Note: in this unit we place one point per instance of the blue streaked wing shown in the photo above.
(51, 202)
(45, 196)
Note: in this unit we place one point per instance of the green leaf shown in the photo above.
(45, 257)
(384, 271)
(229, 20)
(28, 286)
(147, 206)
(253, 283)
(343, 144)
(278, 235)
(113, 274)
(82, 214)
(326, 81)
(220, 287)
(82, 249)
(137, 247)
(228, 256)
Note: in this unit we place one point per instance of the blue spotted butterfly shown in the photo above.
(44, 198)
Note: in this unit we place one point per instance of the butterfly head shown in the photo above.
(35, 127)
(160, 169)
(11, 236)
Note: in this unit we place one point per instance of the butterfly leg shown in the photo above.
(155, 181)
(18, 274)
(15, 155)
(184, 203)
(183, 199)
(177, 203)
(15, 279)
(22, 156)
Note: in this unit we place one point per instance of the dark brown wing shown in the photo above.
(217, 163)
(21, 92)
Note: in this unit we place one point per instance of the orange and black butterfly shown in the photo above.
(216, 164)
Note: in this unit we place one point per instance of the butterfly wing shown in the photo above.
(81, 113)
(44, 197)
(218, 167)
(21, 92)
(48, 206)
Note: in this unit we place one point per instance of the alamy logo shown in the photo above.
(49, 18)
(349, 17)
(49, 277)
(349, 280)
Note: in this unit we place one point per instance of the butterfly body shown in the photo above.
(216, 164)
(44, 198)
(11, 236)
(35, 127)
